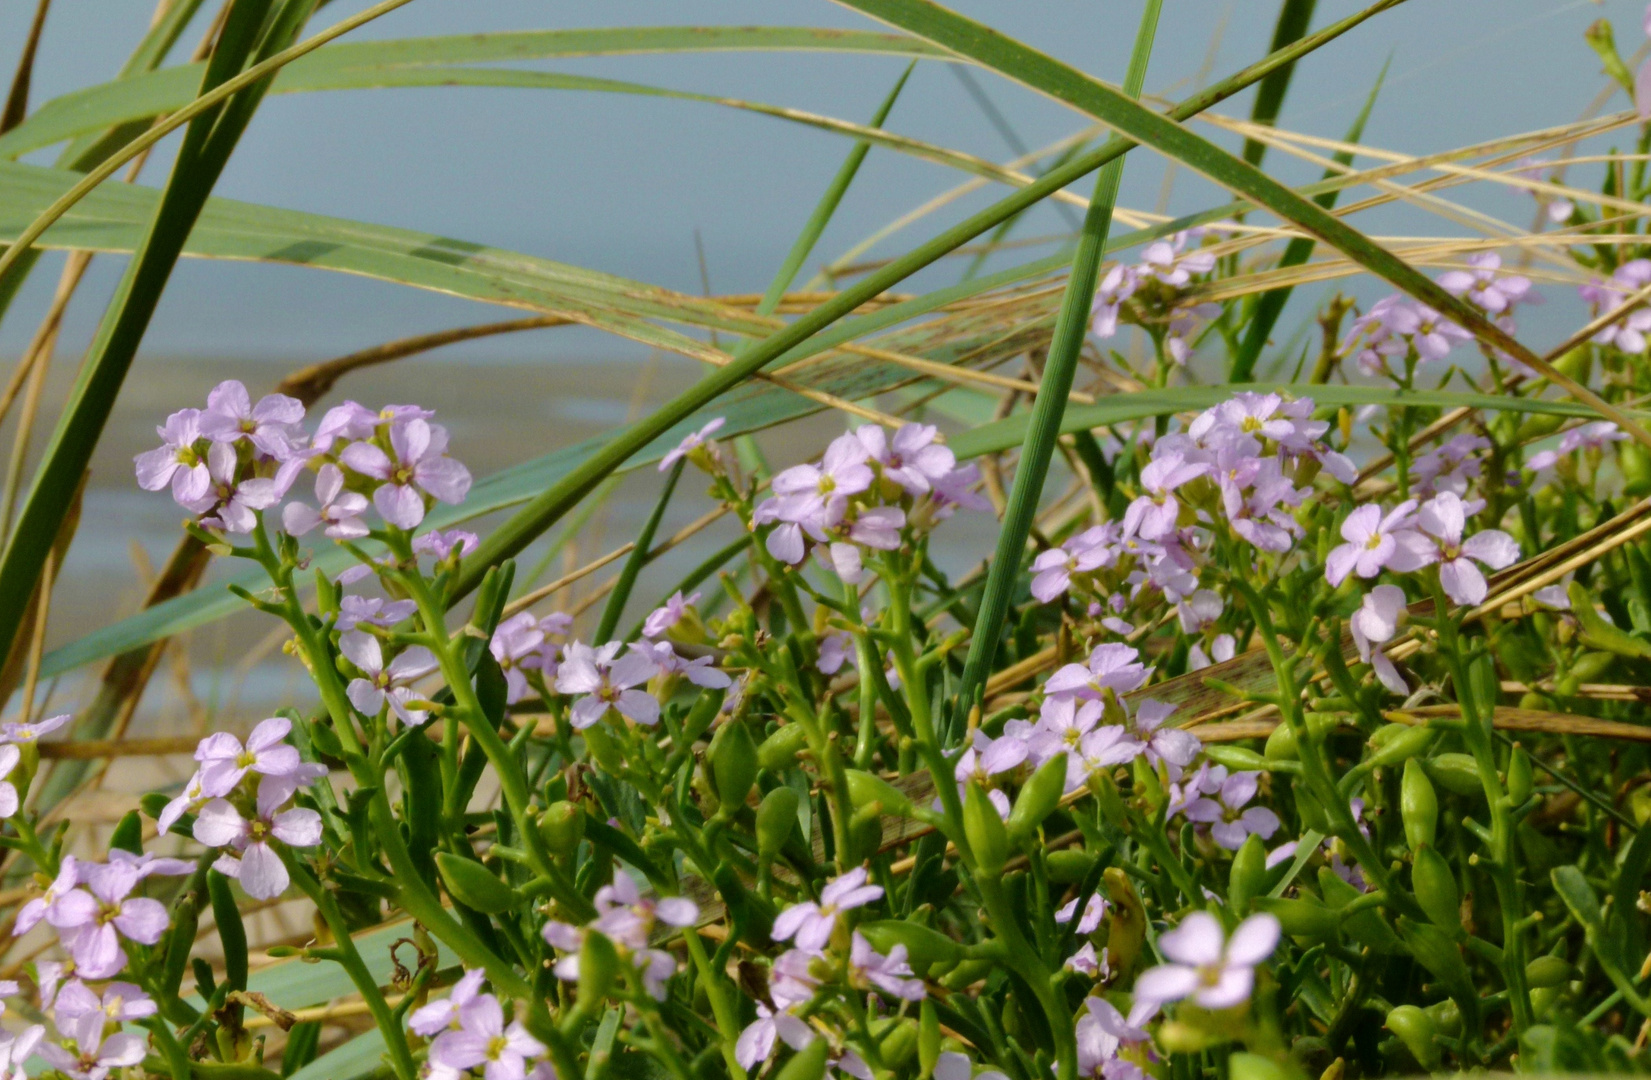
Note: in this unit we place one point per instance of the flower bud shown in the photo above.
(1237, 758)
(1456, 773)
(809, 1063)
(1038, 799)
(1519, 775)
(128, 834)
(1243, 1066)
(474, 886)
(897, 1040)
(562, 826)
(1281, 744)
(1248, 877)
(1401, 746)
(865, 788)
(1547, 971)
(1418, 806)
(1436, 890)
(776, 818)
(1301, 918)
(988, 838)
(1068, 866)
(598, 971)
(1415, 1029)
(928, 1039)
(733, 758)
(779, 751)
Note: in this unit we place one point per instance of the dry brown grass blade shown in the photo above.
(17, 99)
(23, 650)
(1506, 718)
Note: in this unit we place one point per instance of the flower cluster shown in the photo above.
(1150, 294)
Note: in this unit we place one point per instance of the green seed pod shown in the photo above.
(1038, 799)
(1591, 665)
(1387, 733)
(1547, 971)
(1367, 927)
(562, 826)
(600, 742)
(1436, 890)
(1418, 806)
(865, 788)
(1242, 1066)
(928, 1039)
(779, 751)
(1447, 1016)
(1236, 758)
(474, 886)
(1487, 684)
(1309, 811)
(1519, 776)
(1435, 951)
(897, 1040)
(1416, 1030)
(1456, 773)
(1402, 746)
(776, 819)
(809, 1063)
(1248, 877)
(733, 758)
(1068, 866)
(925, 947)
(598, 971)
(1301, 918)
(1281, 745)
(987, 836)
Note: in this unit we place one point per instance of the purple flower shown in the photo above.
(149, 864)
(1162, 744)
(843, 471)
(868, 968)
(701, 671)
(188, 801)
(1222, 648)
(1434, 335)
(348, 422)
(1093, 912)
(1375, 623)
(1595, 436)
(808, 924)
(1062, 724)
(601, 683)
(229, 503)
(1443, 518)
(340, 510)
(1088, 962)
(420, 467)
(1101, 751)
(483, 1039)
(354, 611)
(10, 801)
(223, 760)
(16, 1049)
(454, 543)
(792, 980)
(956, 489)
(756, 1042)
(79, 1007)
(1102, 1032)
(693, 439)
(378, 684)
(49, 904)
(1481, 285)
(1164, 259)
(1052, 570)
(1215, 972)
(257, 865)
(1112, 666)
(443, 1014)
(92, 921)
(23, 733)
(1118, 285)
(1153, 515)
(515, 645)
(913, 459)
(97, 1056)
(836, 649)
(1231, 823)
(626, 916)
(668, 615)
(230, 416)
(176, 461)
(1375, 541)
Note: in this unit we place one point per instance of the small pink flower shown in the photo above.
(419, 468)
(1375, 541)
(600, 682)
(379, 685)
(808, 924)
(256, 864)
(177, 461)
(223, 760)
(692, 440)
(1205, 965)
(271, 425)
(340, 511)
(1443, 519)
(1375, 623)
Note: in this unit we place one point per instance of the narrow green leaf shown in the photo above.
(1043, 427)
(1294, 16)
(638, 558)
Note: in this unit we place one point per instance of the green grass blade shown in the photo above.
(638, 558)
(1270, 305)
(1294, 16)
(1060, 366)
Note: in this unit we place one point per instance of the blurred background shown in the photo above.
(691, 196)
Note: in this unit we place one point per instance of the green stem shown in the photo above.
(721, 1008)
